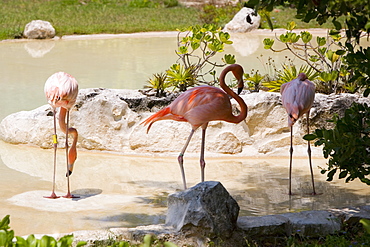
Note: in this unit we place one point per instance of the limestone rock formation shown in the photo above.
(39, 29)
(110, 120)
(244, 21)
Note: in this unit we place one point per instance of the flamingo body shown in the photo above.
(197, 106)
(61, 90)
(203, 104)
(297, 97)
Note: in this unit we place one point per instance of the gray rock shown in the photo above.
(312, 223)
(352, 215)
(205, 210)
(307, 223)
(39, 29)
(270, 225)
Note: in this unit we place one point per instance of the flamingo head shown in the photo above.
(72, 156)
(302, 77)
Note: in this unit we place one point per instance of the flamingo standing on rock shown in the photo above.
(61, 90)
(200, 105)
(297, 97)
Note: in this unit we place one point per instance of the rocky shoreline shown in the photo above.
(110, 120)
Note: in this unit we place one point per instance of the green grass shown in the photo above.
(121, 16)
(95, 16)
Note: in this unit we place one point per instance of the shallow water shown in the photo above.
(126, 191)
(111, 63)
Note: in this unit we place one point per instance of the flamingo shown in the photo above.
(297, 98)
(202, 104)
(61, 90)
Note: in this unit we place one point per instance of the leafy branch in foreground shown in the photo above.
(347, 145)
(7, 236)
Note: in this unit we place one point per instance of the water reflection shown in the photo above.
(39, 48)
(126, 191)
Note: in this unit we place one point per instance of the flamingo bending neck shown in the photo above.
(237, 70)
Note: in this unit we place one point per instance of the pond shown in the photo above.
(127, 191)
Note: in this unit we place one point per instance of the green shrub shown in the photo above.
(323, 55)
(346, 146)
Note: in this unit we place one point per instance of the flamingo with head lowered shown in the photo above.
(297, 98)
(61, 90)
(200, 105)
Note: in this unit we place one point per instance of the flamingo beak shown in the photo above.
(70, 169)
(240, 89)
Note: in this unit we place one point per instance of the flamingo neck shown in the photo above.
(72, 155)
(237, 70)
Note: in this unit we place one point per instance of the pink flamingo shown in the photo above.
(61, 90)
(200, 105)
(297, 97)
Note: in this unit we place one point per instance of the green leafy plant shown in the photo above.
(288, 73)
(197, 45)
(325, 55)
(346, 146)
(359, 59)
(150, 240)
(180, 77)
(7, 236)
(253, 80)
(366, 224)
(159, 83)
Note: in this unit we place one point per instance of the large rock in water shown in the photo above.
(205, 212)
(109, 120)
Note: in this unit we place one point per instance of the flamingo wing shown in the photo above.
(297, 98)
(202, 104)
(197, 106)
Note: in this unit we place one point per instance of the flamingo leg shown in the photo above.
(55, 142)
(68, 195)
(202, 162)
(181, 157)
(309, 157)
(291, 160)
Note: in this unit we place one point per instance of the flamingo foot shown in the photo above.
(69, 195)
(52, 196)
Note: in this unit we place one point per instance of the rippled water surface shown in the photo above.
(125, 191)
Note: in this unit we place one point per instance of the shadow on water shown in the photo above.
(129, 219)
(85, 193)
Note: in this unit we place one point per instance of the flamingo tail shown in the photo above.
(160, 115)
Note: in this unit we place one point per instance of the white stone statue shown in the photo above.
(244, 21)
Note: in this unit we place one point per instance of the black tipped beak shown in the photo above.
(240, 89)
(69, 173)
